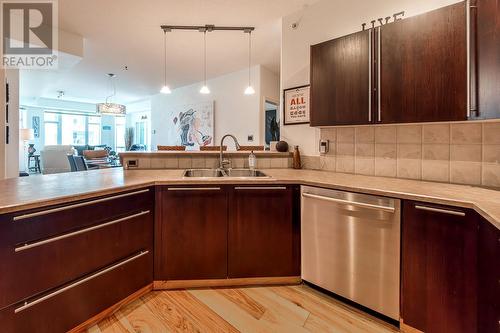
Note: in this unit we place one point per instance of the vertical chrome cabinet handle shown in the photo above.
(379, 43)
(467, 19)
(370, 75)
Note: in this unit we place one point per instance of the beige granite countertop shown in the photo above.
(38, 191)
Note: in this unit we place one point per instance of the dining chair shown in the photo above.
(72, 163)
(171, 148)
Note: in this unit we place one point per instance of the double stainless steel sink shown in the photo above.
(213, 173)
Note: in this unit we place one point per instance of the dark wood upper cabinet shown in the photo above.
(423, 67)
(439, 268)
(485, 19)
(264, 232)
(192, 238)
(340, 81)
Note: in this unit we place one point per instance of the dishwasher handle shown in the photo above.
(348, 202)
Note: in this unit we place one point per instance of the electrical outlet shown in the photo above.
(250, 138)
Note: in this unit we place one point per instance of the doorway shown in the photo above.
(272, 126)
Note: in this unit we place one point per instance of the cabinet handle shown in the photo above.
(370, 75)
(379, 43)
(472, 104)
(439, 210)
(193, 189)
(79, 232)
(260, 188)
(349, 202)
(82, 204)
(79, 282)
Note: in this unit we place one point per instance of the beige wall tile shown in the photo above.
(470, 153)
(409, 134)
(491, 174)
(171, 163)
(345, 149)
(327, 163)
(436, 133)
(466, 133)
(276, 163)
(158, 163)
(345, 134)
(365, 149)
(310, 162)
(211, 162)
(144, 163)
(385, 167)
(410, 168)
(365, 166)
(491, 133)
(465, 172)
(386, 150)
(385, 134)
(329, 134)
(198, 162)
(263, 163)
(436, 152)
(365, 134)
(436, 170)
(185, 162)
(344, 164)
(409, 151)
(491, 153)
(284, 163)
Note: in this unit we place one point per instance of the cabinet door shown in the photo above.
(487, 42)
(193, 234)
(340, 81)
(264, 232)
(439, 251)
(489, 277)
(423, 67)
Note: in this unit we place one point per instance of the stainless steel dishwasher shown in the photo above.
(350, 246)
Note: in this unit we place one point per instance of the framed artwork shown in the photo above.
(35, 124)
(191, 125)
(296, 105)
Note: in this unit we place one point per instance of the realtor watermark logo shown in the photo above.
(29, 34)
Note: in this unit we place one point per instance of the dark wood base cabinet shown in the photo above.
(450, 270)
(63, 264)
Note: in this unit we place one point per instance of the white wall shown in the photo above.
(324, 20)
(235, 112)
(14, 146)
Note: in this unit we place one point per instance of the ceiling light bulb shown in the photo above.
(249, 90)
(204, 90)
(166, 90)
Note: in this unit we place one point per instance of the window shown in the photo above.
(120, 133)
(140, 132)
(71, 129)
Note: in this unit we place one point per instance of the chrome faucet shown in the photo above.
(222, 161)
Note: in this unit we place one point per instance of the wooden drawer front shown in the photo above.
(66, 307)
(42, 223)
(36, 267)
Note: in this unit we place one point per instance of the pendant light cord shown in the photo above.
(165, 58)
(205, 55)
(249, 57)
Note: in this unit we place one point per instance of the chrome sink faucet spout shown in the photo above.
(222, 161)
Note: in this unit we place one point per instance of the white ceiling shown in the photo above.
(120, 33)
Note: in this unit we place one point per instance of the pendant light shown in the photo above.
(204, 90)
(165, 89)
(109, 108)
(249, 90)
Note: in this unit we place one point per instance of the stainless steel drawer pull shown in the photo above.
(79, 232)
(348, 202)
(260, 188)
(87, 203)
(79, 282)
(439, 210)
(194, 188)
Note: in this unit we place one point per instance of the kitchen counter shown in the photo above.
(38, 191)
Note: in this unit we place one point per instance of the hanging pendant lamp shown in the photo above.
(165, 89)
(249, 90)
(204, 90)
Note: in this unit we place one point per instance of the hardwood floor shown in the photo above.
(251, 309)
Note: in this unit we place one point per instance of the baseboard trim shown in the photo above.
(183, 284)
(407, 329)
(112, 309)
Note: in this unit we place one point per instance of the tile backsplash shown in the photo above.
(463, 153)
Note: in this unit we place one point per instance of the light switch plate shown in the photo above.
(324, 146)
